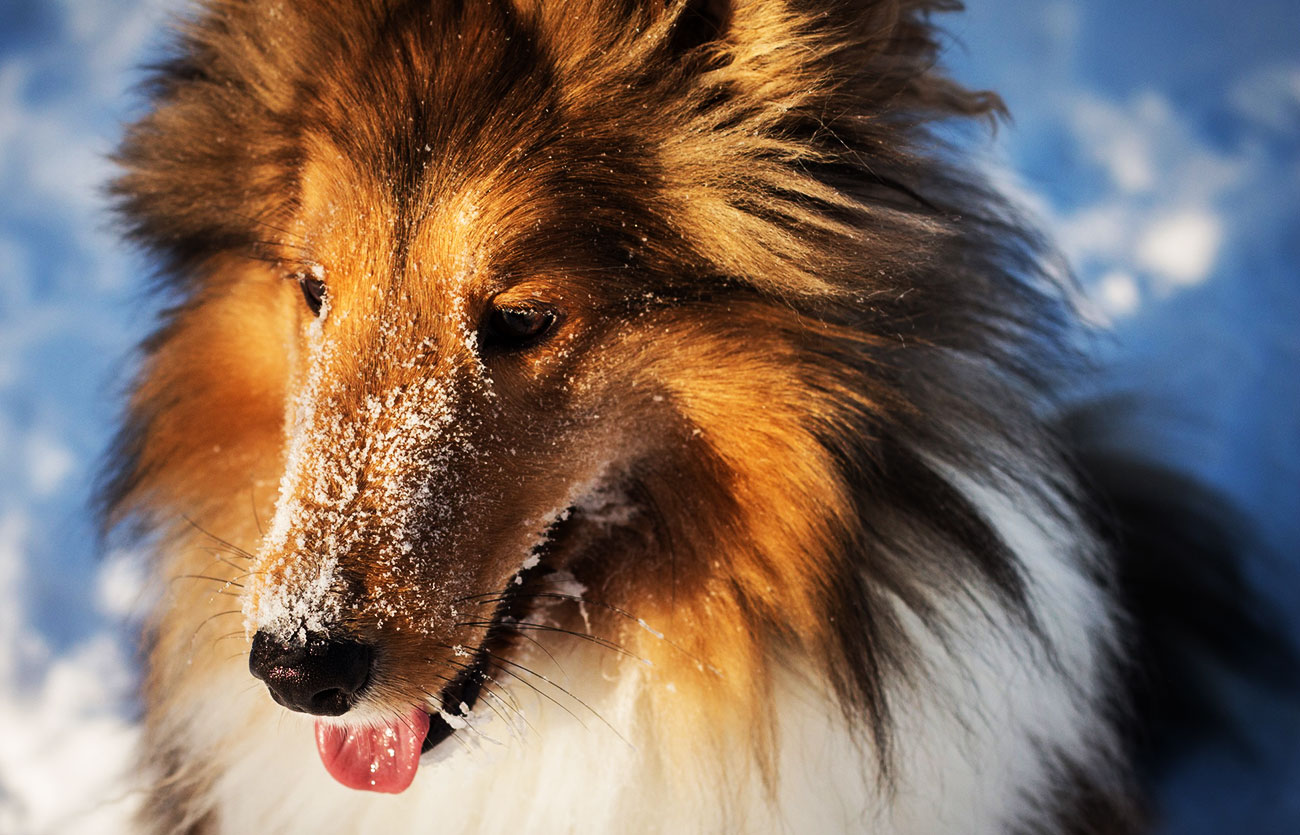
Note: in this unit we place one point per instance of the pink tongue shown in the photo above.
(380, 758)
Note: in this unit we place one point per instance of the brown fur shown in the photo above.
(781, 302)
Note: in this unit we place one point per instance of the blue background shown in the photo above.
(1159, 142)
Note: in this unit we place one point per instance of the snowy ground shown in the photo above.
(1160, 141)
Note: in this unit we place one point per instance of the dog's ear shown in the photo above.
(880, 55)
(698, 23)
(786, 139)
(213, 151)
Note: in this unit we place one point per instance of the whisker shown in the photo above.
(530, 639)
(513, 704)
(404, 681)
(219, 554)
(502, 694)
(487, 691)
(543, 627)
(538, 691)
(252, 503)
(219, 580)
(235, 548)
(497, 597)
(469, 724)
(205, 622)
(496, 659)
(448, 680)
(216, 550)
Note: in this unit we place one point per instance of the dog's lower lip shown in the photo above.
(458, 698)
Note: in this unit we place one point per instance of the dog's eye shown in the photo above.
(313, 291)
(518, 327)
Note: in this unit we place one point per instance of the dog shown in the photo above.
(604, 415)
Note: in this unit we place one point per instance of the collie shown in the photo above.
(602, 416)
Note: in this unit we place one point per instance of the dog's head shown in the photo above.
(505, 291)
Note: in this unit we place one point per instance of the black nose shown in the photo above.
(320, 676)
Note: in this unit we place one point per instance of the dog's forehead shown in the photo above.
(453, 146)
(445, 249)
(534, 213)
(443, 106)
(363, 234)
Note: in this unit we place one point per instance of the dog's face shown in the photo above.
(497, 291)
(457, 383)
(505, 357)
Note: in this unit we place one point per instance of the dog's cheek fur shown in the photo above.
(747, 512)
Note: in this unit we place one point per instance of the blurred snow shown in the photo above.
(1118, 293)
(1159, 141)
(68, 318)
(1181, 248)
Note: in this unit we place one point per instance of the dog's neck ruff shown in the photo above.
(991, 722)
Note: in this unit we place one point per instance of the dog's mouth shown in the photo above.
(384, 757)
